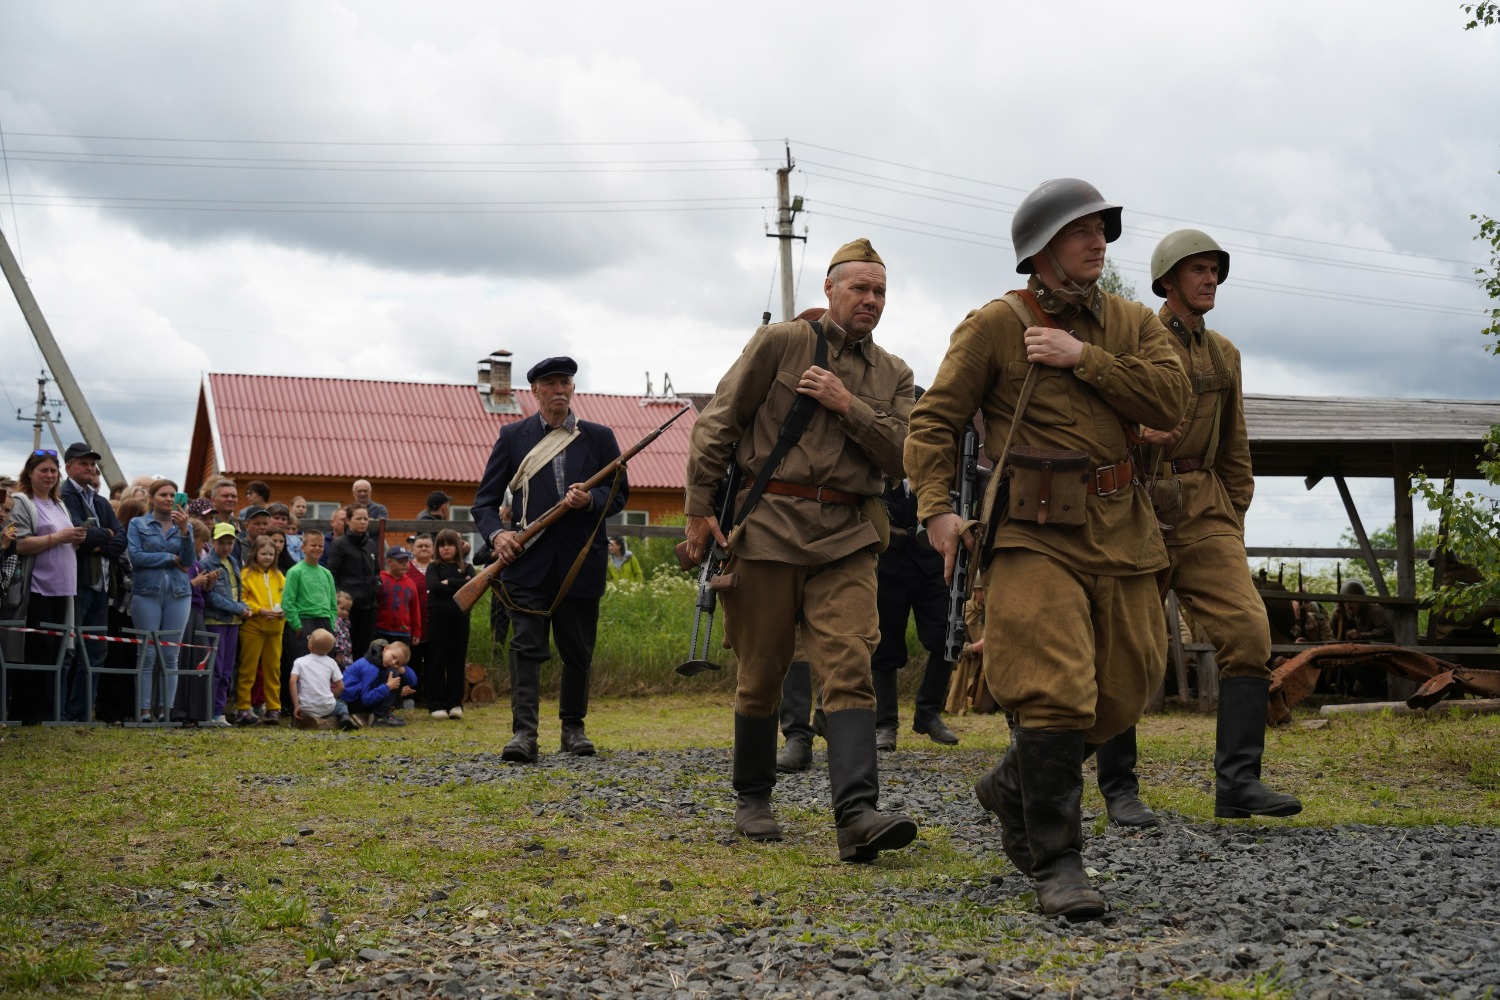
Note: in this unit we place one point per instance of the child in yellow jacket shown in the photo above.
(260, 636)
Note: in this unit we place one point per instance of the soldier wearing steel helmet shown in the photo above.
(1201, 484)
(1073, 636)
(805, 555)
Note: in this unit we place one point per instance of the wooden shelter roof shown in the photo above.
(1314, 436)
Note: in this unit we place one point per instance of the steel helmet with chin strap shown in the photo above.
(1055, 203)
(1179, 246)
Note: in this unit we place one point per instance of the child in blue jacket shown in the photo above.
(375, 682)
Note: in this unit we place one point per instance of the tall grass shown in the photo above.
(644, 633)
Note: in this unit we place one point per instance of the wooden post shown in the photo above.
(1404, 618)
(1359, 534)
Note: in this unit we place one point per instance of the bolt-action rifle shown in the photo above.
(469, 593)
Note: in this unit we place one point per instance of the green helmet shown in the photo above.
(1179, 246)
(1055, 203)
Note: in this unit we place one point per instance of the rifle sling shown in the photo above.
(792, 429)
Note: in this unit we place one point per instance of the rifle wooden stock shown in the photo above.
(469, 593)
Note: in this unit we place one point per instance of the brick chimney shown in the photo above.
(494, 383)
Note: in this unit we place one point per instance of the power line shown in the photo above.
(1205, 225)
(459, 169)
(1004, 208)
(168, 159)
(1332, 296)
(425, 145)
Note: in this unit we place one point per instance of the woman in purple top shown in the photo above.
(47, 543)
(160, 546)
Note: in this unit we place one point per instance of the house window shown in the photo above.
(321, 510)
(631, 517)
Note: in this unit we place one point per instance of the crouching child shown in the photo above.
(316, 684)
(376, 682)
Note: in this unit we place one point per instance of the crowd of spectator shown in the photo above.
(135, 592)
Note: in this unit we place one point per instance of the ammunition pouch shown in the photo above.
(874, 508)
(1048, 485)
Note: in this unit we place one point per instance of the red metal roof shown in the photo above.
(279, 426)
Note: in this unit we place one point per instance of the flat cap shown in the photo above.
(552, 366)
(79, 450)
(858, 250)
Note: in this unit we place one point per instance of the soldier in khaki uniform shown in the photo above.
(806, 554)
(1073, 629)
(1201, 486)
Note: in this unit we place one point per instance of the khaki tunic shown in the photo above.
(1210, 571)
(846, 453)
(1128, 372)
(1213, 501)
(1073, 634)
(800, 561)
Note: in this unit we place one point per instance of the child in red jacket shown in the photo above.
(399, 615)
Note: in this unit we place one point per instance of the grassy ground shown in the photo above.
(222, 863)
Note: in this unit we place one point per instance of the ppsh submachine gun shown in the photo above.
(966, 505)
(965, 494)
(712, 578)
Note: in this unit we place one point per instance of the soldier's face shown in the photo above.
(857, 298)
(1079, 248)
(1193, 283)
(554, 394)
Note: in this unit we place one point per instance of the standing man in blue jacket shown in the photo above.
(555, 584)
(100, 549)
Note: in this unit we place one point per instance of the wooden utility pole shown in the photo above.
(786, 211)
(71, 393)
(43, 415)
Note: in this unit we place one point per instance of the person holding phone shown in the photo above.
(160, 546)
(42, 588)
(98, 556)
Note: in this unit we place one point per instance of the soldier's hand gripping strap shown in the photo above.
(792, 429)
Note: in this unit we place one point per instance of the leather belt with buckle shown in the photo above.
(822, 494)
(1109, 479)
(1181, 465)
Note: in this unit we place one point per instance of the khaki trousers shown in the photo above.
(1212, 580)
(835, 606)
(1068, 651)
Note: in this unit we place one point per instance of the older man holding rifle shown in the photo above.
(545, 461)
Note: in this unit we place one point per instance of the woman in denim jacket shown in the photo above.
(160, 546)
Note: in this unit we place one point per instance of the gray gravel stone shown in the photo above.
(1358, 911)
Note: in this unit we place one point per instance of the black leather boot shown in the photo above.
(999, 791)
(1051, 766)
(863, 830)
(755, 777)
(931, 695)
(1119, 785)
(525, 676)
(1241, 741)
(573, 705)
(796, 704)
(887, 709)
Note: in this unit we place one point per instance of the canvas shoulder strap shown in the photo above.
(538, 458)
(792, 429)
(1226, 379)
(992, 488)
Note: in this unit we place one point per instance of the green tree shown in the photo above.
(1115, 283)
(1472, 520)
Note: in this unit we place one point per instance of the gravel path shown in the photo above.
(1198, 909)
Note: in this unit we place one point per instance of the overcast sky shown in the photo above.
(389, 190)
